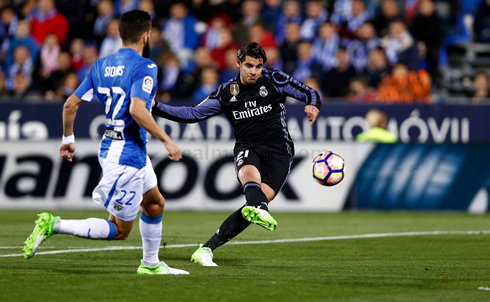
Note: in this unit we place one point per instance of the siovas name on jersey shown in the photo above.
(114, 71)
(251, 110)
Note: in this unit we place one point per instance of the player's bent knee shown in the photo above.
(122, 235)
(249, 173)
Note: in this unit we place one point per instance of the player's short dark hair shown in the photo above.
(251, 49)
(133, 24)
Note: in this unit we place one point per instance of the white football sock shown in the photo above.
(151, 235)
(92, 228)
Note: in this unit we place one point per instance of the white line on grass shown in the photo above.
(379, 235)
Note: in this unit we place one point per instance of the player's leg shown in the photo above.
(116, 191)
(235, 223)
(150, 224)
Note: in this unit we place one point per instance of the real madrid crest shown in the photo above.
(234, 90)
(263, 91)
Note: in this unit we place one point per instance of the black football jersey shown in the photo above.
(257, 111)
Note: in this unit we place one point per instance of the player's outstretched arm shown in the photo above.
(143, 117)
(185, 114)
(70, 109)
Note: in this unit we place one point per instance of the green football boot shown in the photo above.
(203, 256)
(161, 269)
(260, 217)
(43, 230)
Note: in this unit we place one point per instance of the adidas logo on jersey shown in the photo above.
(151, 66)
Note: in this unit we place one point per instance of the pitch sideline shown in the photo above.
(345, 237)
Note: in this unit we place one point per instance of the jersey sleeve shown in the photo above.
(204, 110)
(86, 90)
(144, 82)
(288, 86)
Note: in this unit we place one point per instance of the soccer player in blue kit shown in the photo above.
(125, 83)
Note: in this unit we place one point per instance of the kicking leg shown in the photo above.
(256, 211)
(151, 234)
(232, 226)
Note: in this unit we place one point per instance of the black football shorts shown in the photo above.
(273, 162)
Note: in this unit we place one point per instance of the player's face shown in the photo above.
(250, 70)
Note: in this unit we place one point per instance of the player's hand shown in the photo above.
(66, 151)
(311, 112)
(173, 151)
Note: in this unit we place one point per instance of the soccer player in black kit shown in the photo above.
(254, 104)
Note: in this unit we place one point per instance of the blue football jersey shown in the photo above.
(115, 80)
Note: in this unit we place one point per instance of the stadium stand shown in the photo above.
(317, 40)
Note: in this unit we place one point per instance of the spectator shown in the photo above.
(335, 83)
(21, 89)
(291, 13)
(202, 59)
(251, 15)
(313, 83)
(90, 55)
(50, 52)
(400, 47)
(46, 19)
(68, 85)
(270, 14)
(358, 16)
(22, 38)
(28, 9)
(212, 36)
(209, 82)
(482, 22)
(54, 80)
(376, 69)
(360, 92)
(231, 8)
(8, 27)
(77, 49)
(428, 28)
(172, 83)
(316, 15)
(480, 84)
(405, 86)
(22, 64)
(4, 93)
(226, 42)
(180, 34)
(359, 48)
(326, 46)
(258, 33)
(158, 47)
(231, 69)
(288, 49)
(341, 10)
(112, 42)
(378, 122)
(76, 12)
(149, 7)
(123, 6)
(106, 13)
(273, 58)
(389, 13)
(306, 67)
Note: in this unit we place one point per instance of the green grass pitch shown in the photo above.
(408, 268)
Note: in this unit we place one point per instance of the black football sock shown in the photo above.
(229, 229)
(254, 195)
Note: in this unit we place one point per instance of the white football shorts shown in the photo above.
(122, 187)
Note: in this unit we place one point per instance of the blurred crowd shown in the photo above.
(358, 51)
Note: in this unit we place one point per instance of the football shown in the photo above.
(328, 168)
